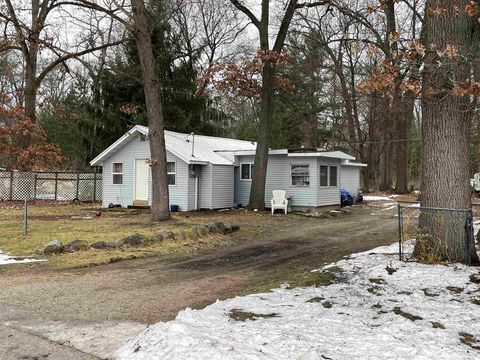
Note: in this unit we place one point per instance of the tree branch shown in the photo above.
(247, 12)
(66, 57)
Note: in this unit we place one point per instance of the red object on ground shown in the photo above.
(98, 214)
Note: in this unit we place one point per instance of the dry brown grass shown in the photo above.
(64, 222)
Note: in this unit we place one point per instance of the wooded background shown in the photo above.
(347, 77)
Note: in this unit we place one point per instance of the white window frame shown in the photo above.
(309, 176)
(250, 165)
(328, 176)
(116, 173)
(174, 172)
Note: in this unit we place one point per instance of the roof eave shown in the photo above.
(99, 159)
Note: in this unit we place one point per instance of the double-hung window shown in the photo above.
(246, 171)
(300, 175)
(333, 176)
(171, 172)
(117, 173)
(323, 175)
(328, 175)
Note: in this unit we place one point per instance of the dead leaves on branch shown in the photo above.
(244, 78)
(470, 9)
(24, 146)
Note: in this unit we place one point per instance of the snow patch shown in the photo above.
(376, 198)
(367, 317)
(7, 260)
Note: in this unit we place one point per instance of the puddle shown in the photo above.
(253, 253)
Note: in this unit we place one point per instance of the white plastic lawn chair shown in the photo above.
(279, 200)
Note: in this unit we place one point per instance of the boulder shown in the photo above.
(165, 234)
(114, 244)
(54, 247)
(216, 227)
(99, 245)
(235, 227)
(134, 240)
(76, 245)
(199, 231)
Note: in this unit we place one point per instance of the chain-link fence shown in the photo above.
(435, 234)
(58, 186)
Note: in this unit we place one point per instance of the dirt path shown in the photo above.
(95, 304)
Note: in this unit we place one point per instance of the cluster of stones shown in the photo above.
(328, 214)
(217, 227)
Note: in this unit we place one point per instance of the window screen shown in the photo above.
(323, 175)
(300, 175)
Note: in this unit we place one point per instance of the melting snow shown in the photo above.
(376, 198)
(6, 259)
(367, 318)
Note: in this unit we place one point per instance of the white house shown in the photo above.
(207, 172)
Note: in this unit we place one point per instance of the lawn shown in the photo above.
(68, 222)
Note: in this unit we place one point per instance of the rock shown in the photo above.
(134, 240)
(230, 228)
(54, 247)
(99, 245)
(77, 245)
(55, 243)
(165, 234)
(114, 244)
(475, 278)
(216, 227)
(478, 237)
(199, 231)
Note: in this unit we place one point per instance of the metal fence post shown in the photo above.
(78, 185)
(11, 186)
(56, 186)
(400, 232)
(25, 217)
(469, 237)
(95, 185)
(35, 186)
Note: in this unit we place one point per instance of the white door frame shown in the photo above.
(135, 159)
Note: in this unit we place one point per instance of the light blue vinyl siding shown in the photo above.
(350, 179)
(123, 194)
(279, 178)
(222, 186)
(205, 188)
(329, 195)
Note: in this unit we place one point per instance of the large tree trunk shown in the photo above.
(445, 131)
(158, 161)
(257, 192)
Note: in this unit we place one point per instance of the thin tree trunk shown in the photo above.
(30, 89)
(445, 130)
(158, 161)
(386, 144)
(404, 119)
